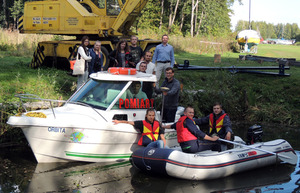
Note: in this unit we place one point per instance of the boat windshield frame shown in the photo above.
(88, 88)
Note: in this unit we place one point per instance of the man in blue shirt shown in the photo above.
(163, 57)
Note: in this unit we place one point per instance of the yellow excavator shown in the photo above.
(104, 20)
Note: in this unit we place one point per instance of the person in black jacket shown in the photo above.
(171, 97)
(121, 55)
(219, 123)
(96, 64)
(135, 51)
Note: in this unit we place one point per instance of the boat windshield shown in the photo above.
(98, 93)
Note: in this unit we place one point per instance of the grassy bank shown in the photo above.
(250, 97)
(17, 78)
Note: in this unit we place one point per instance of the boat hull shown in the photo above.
(71, 136)
(91, 145)
(250, 36)
(210, 165)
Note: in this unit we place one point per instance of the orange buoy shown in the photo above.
(114, 70)
(127, 71)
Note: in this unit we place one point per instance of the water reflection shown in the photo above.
(243, 182)
(92, 177)
(122, 177)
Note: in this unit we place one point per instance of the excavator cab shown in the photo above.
(112, 7)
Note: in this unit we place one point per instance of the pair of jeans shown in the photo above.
(81, 79)
(169, 115)
(161, 68)
(156, 144)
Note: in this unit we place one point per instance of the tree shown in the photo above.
(16, 11)
(162, 13)
(173, 16)
(4, 14)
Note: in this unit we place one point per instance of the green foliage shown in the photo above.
(150, 16)
(22, 49)
(17, 9)
(267, 30)
(6, 47)
(213, 15)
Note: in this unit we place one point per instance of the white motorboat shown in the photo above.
(82, 129)
(211, 164)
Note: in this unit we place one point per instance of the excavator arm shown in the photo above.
(129, 12)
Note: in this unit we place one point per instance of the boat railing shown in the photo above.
(51, 103)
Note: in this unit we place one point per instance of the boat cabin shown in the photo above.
(118, 95)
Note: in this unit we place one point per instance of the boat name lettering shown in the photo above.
(172, 135)
(57, 129)
(136, 103)
(248, 154)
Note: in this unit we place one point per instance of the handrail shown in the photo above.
(24, 96)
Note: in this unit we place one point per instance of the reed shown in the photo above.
(197, 44)
(17, 44)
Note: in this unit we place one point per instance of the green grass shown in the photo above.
(17, 77)
(279, 51)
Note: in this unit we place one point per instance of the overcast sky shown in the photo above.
(270, 11)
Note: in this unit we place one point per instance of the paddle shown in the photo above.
(282, 157)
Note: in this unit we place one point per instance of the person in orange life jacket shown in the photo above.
(152, 132)
(190, 138)
(219, 124)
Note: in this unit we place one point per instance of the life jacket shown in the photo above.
(183, 134)
(219, 123)
(149, 132)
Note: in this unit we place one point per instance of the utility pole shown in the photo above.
(249, 14)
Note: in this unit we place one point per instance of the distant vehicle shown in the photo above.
(248, 41)
(286, 42)
(281, 41)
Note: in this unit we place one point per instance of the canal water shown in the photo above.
(19, 172)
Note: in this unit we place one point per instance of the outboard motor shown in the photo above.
(254, 134)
